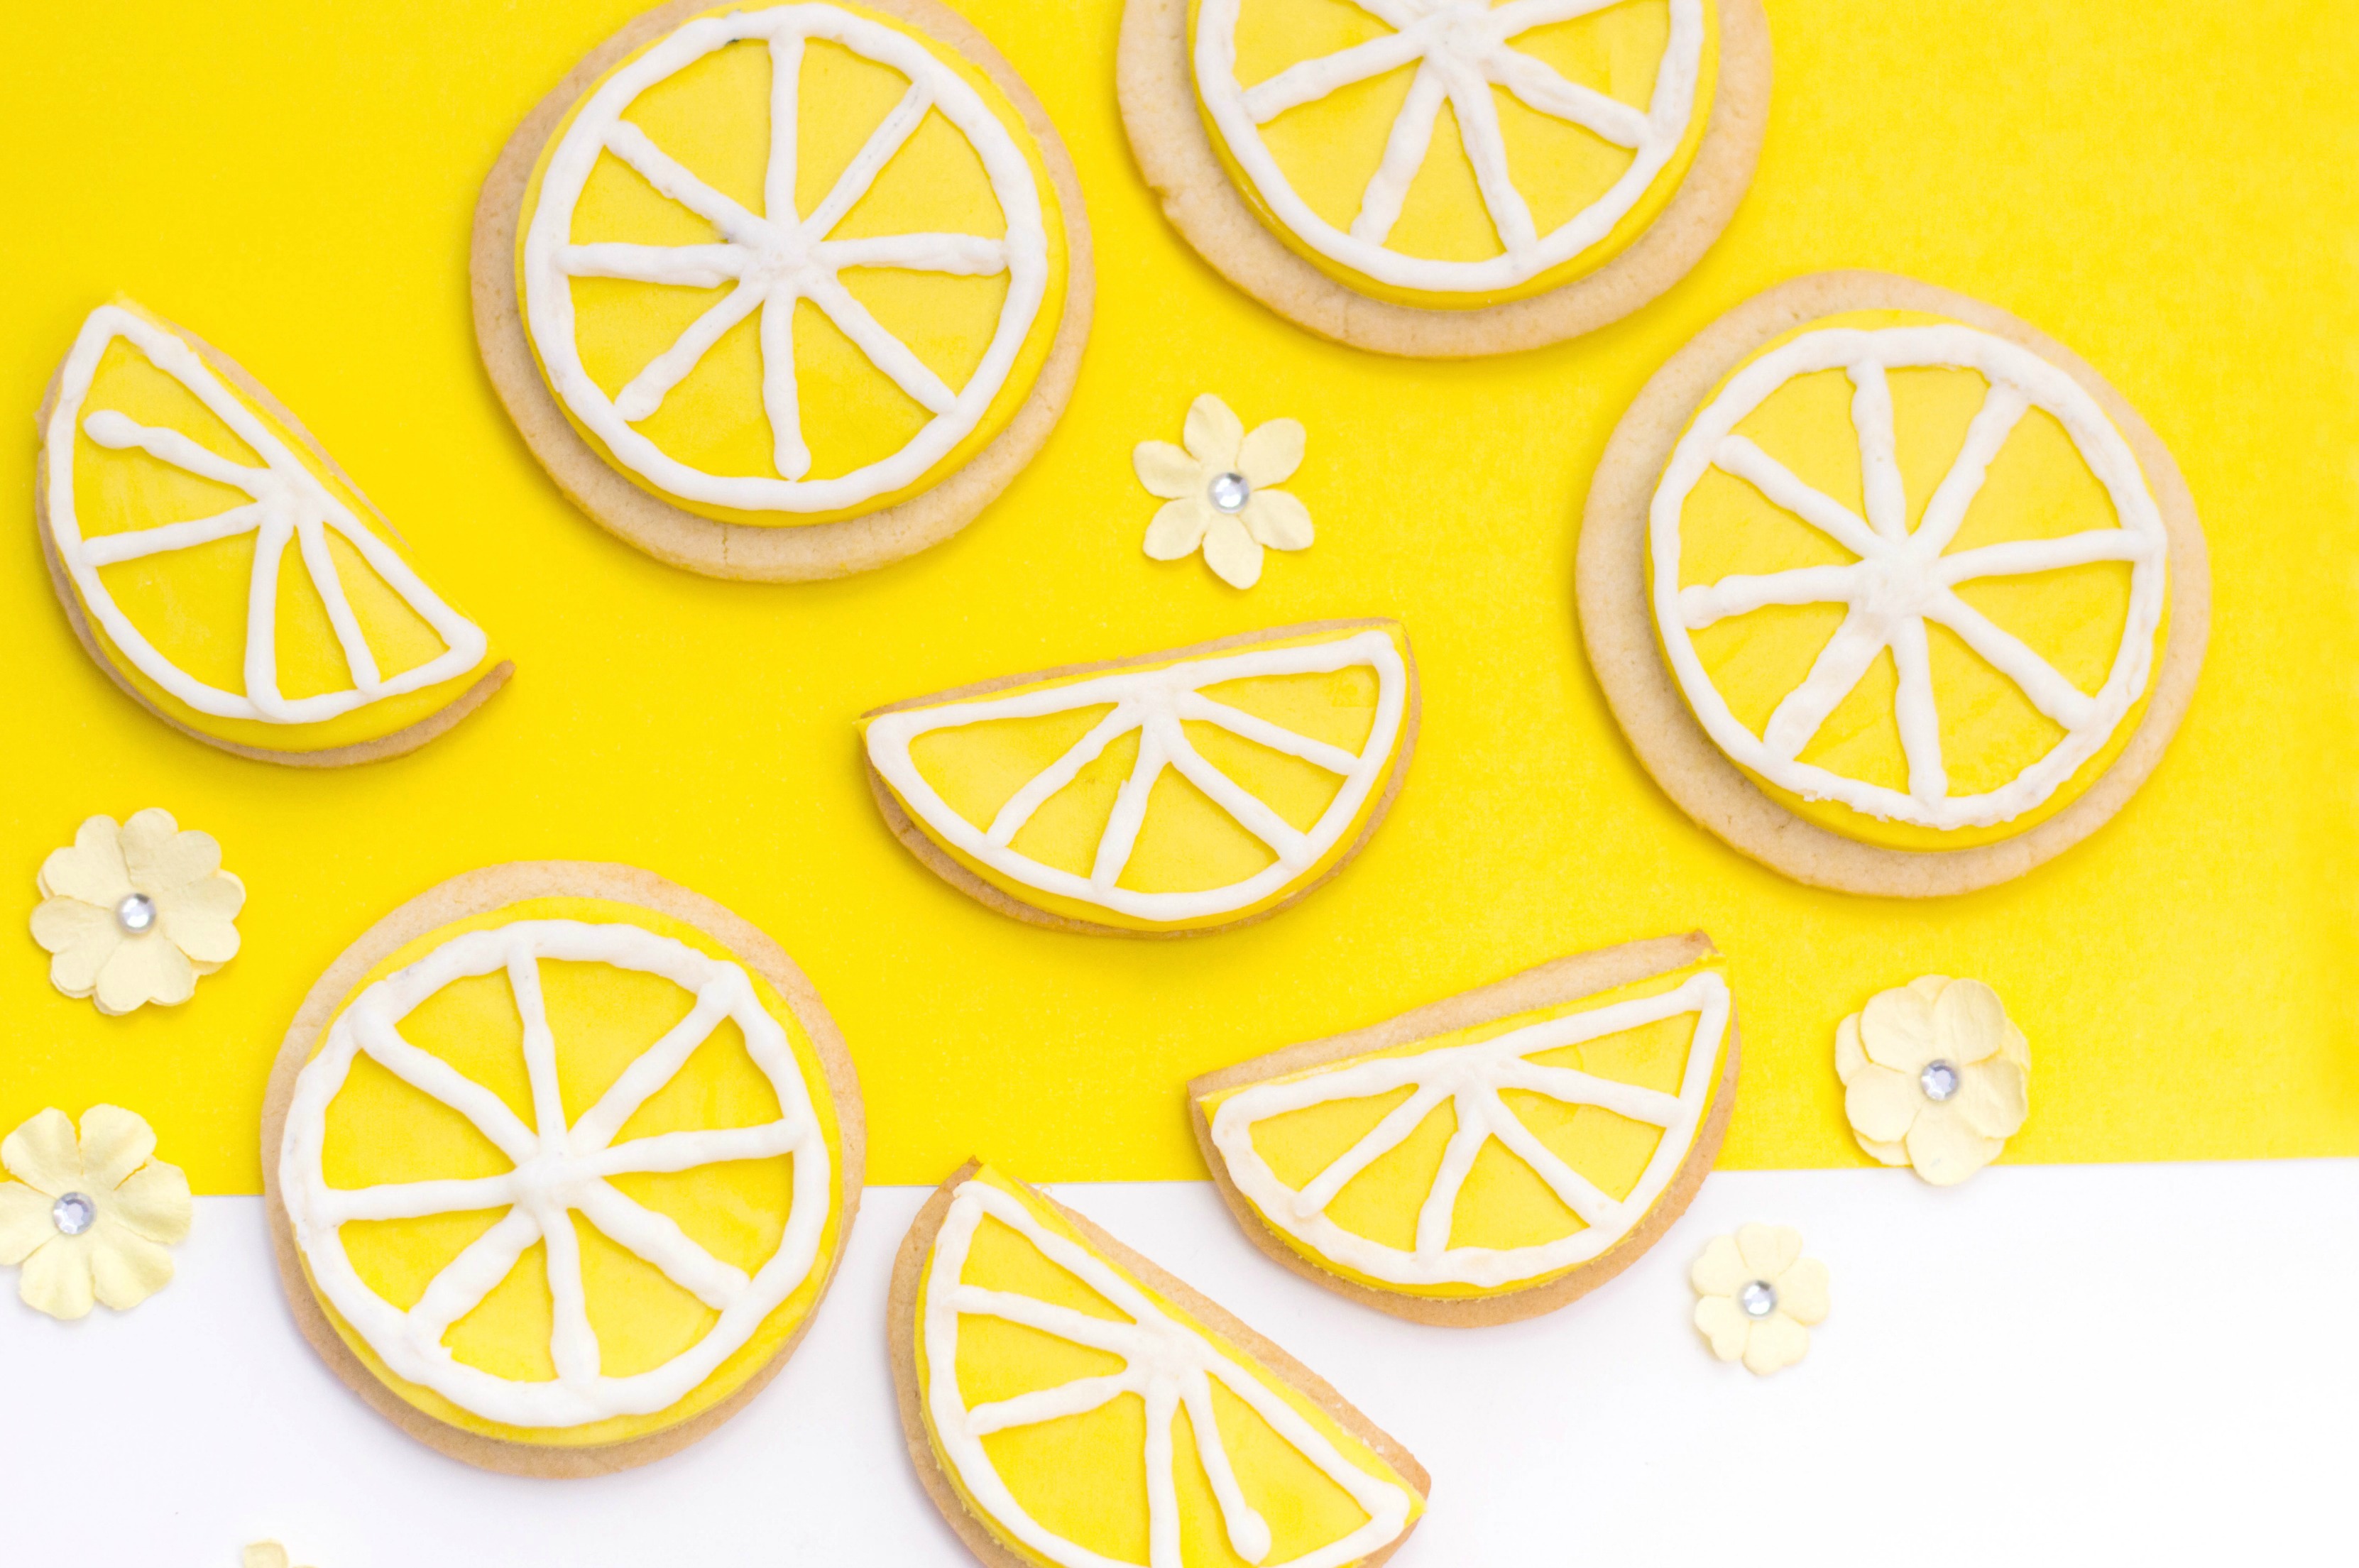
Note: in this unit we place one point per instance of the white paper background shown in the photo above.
(2085, 1364)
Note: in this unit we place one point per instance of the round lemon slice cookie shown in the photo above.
(1492, 1155)
(1069, 1405)
(1175, 793)
(1448, 177)
(561, 1159)
(784, 292)
(1889, 591)
(224, 571)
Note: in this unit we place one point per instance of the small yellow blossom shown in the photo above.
(135, 914)
(1219, 493)
(89, 1218)
(1935, 1076)
(1758, 1297)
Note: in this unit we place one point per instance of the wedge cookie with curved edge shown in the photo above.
(559, 1159)
(784, 292)
(1889, 591)
(1448, 177)
(1169, 794)
(1492, 1155)
(1069, 1405)
(225, 573)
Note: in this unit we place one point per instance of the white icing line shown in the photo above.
(1154, 703)
(558, 1171)
(1470, 1077)
(1167, 1363)
(289, 505)
(782, 257)
(1903, 580)
(1463, 48)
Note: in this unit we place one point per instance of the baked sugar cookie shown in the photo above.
(1889, 590)
(784, 292)
(225, 573)
(1448, 177)
(559, 1159)
(1167, 794)
(1068, 1403)
(1492, 1156)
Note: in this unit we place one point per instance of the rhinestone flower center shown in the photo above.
(1758, 1299)
(135, 914)
(73, 1214)
(1228, 492)
(1939, 1080)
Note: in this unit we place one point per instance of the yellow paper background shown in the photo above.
(2164, 188)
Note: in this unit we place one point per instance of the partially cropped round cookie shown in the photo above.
(1889, 590)
(1448, 177)
(784, 292)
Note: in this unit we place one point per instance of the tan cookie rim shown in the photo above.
(788, 552)
(480, 892)
(1568, 979)
(901, 1331)
(1617, 622)
(1175, 154)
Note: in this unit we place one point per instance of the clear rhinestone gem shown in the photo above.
(73, 1214)
(135, 914)
(1759, 1299)
(1228, 492)
(1940, 1080)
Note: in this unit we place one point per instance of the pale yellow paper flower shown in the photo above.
(1219, 492)
(1758, 1297)
(89, 1218)
(1935, 1076)
(266, 1554)
(135, 914)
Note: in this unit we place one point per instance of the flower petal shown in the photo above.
(44, 1155)
(91, 870)
(154, 1201)
(1994, 1097)
(2017, 1049)
(75, 970)
(1777, 1341)
(1272, 453)
(1278, 520)
(1166, 471)
(56, 1278)
(25, 1221)
(1802, 1290)
(1895, 1028)
(1212, 434)
(62, 923)
(220, 896)
(1888, 1153)
(114, 1143)
(206, 937)
(1768, 1250)
(126, 1268)
(1881, 1103)
(1849, 1055)
(160, 857)
(1945, 1150)
(1719, 1269)
(1969, 1022)
(147, 969)
(265, 1554)
(1178, 528)
(1724, 1326)
(1232, 553)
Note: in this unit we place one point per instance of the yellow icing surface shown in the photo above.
(1081, 1476)
(191, 604)
(379, 1129)
(713, 117)
(1329, 147)
(1187, 843)
(1503, 1203)
(2037, 487)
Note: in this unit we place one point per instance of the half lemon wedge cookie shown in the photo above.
(1178, 791)
(561, 1159)
(1492, 1155)
(1889, 590)
(1068, 1404)
(225, 571)
(784, 292)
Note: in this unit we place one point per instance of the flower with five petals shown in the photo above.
(135, 914)
(90, 1217)
(1757, 1297)
(1219, 492)
(1935, 1076)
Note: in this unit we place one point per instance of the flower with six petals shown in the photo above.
(135, 914)
(89, 1218)
(1219, 492)
(1758, 1297)
(1935, 1076)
